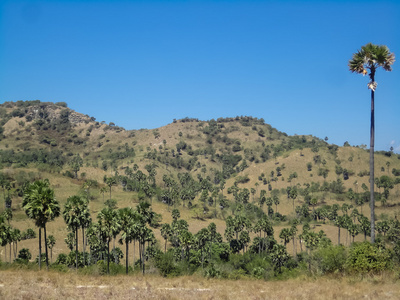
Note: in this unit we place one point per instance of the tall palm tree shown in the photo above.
(107, 222)
(371, 57)
(129, 219)
(41, 205)
(76, 215)
(143, 234)
(166, 233)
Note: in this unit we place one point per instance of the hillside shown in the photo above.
(209, 170)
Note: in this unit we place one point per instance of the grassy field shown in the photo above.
(20, 284)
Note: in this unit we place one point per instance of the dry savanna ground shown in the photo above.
(54, 285)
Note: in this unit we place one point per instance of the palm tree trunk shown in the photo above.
(140, 253)
(76, 248)
(108, 256)
(133, 260)
(294, 249)
(45, 247)
(83, 244)
(143, 249)
(16, 249)
(127, 255)
(371, 162)
(40, 248)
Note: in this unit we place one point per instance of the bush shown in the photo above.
(166, 264)
(331, 259)
(366, 257)
(24, 254)
(211, 272)
(61, 259)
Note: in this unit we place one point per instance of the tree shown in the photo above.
(285, 235)
(5, 235)
(103, 190)
(40, 205)
(339, 223)
(51, 241)
(76, 163)
(275, 198)
(175, 214)
(110, 181)
(107, 220)
(76, 214)
(166, 233)
(262, 198)
(372, 57)
(365, 225)
(129, 219)
(202, 238)
(293, 195)
(387, 183)
(279, 257)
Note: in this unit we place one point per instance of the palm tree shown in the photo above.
(5, 235)
(110, 181)
(76, 214)
(166, 233)
(103, 190)
(51, 241)
(372, 57)
(285, 235)
(107, 222)
(16, 236)
(40, 205)
(144, 234)
(129, 219)
(85, 221)
(202, 238)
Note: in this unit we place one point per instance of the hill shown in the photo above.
(209, 170)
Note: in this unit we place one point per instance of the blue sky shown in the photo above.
(141, 64)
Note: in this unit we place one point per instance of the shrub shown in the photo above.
(366, 257)
(331, 259)
(24, 254)
(211, 272)
(166, 264)
(61, 259)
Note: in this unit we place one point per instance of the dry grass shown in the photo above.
(53, 285)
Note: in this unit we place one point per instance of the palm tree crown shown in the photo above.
(371, 57)
(39, 203)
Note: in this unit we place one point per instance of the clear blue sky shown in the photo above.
(140, 64)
